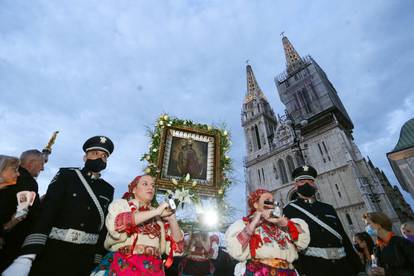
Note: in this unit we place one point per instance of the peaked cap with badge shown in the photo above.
(304, 172)
(102, 143)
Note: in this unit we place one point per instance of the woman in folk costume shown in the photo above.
(265, 244)
(138, 234)
(200, 250)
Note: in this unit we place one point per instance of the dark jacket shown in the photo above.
(322, 238)
(397, 257)
(68, 205)
(8, 202)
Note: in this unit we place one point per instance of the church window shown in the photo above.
(263, 177)
(282, 170)
(348, 218)
(259, 146)
(306, 100)
(291, 165)
(260, 177)
(324, 146)
(258, 107)
(275, 171)
(337, 189)
(320, 149)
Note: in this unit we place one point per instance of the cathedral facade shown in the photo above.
(315, 129)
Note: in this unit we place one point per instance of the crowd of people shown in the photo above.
(78, 228)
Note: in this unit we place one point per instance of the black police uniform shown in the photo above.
(320, 237)
(68, 213)
(13, 240)
(67, 205)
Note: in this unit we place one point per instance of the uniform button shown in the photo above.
(74, 194)
(89, 207)
(82, 224)
(329, 244)
(322, 230)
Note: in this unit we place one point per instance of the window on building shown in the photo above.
(260, 177)
(290, 164)
(258, 107)
(282, 171)
(259, 146)
(275, 171)
(320, 149)
(337, 189)
(348, 218)
(263, 177)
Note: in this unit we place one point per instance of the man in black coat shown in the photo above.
(68, 237)
(330, 251)
(31, 164)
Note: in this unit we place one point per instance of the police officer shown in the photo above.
(330, 251)
(67, 239)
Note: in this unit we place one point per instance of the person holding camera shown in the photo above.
(140, 234)
(266, 242)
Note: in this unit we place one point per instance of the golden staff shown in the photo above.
(48, 148)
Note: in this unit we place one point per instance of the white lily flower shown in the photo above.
(174, 181)
(147, 170)
(194, 183)
(187, 177)
(165, 117)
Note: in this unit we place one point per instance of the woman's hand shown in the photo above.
(281, 221)
(161, 208)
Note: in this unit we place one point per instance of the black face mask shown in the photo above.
(306, 190)
(358, 248)
(95, 166)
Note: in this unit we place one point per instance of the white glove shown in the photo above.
(239, 269)
(21, 266)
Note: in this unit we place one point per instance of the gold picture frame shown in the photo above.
(189, 150)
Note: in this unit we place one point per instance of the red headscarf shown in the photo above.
(131, 187)
(254, 197)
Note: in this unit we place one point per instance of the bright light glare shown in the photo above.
(210, 218)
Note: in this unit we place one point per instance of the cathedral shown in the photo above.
(315, 129)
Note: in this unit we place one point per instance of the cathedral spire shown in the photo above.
(253, 89)
(293, 60)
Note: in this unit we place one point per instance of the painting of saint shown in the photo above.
(188, 156)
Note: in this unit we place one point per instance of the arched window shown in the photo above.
(282, 170)
(348, 218)
(256, 130)
(291, 165)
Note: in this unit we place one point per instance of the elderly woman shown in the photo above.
(8, 175)
(265, 244)
(9, 170)
(394, 255)
(138, 234)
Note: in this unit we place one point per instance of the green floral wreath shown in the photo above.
(225, 162)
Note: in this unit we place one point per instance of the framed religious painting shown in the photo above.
(186, 151)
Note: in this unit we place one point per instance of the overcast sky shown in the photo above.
(112, 67)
